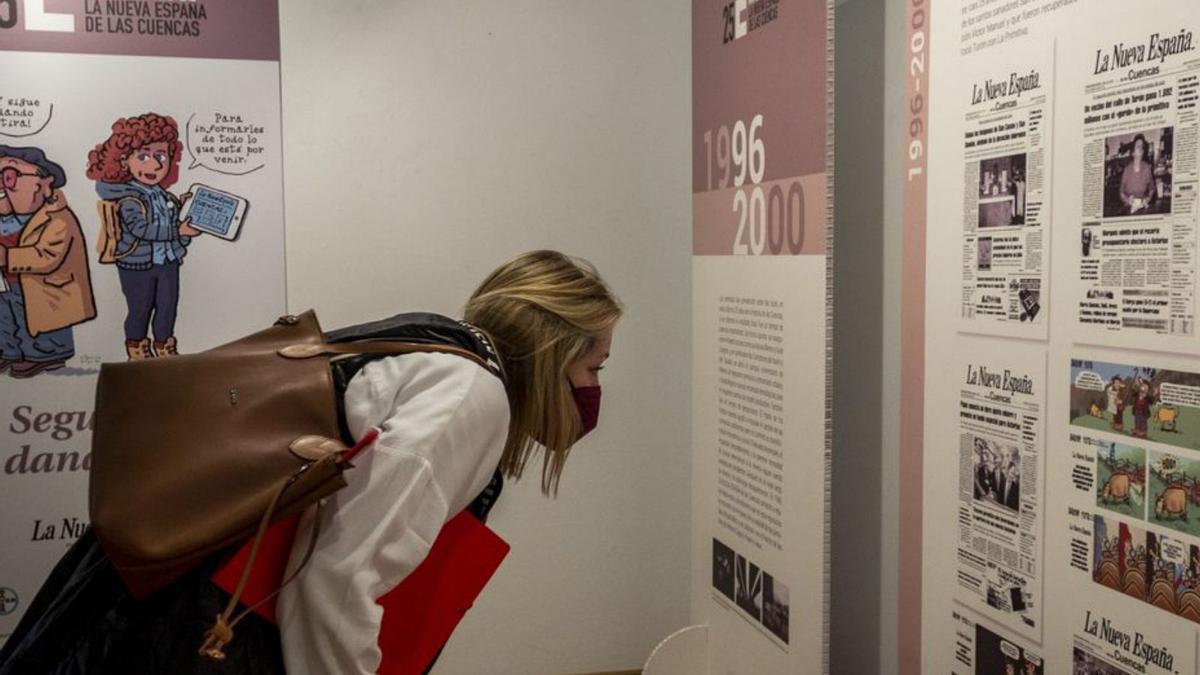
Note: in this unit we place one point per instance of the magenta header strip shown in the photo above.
(219, 29)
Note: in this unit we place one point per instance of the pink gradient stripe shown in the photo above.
(912, 369)
(715, 222)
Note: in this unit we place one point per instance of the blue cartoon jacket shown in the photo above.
(149, 223)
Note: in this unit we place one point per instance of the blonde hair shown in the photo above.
(544, 311)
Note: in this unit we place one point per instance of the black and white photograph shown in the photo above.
(983, 254)
(1030, 299)
(997, 474)
(1002, 191)
(776, 607)
(748, 587)
(1137, 172)
(722, 569)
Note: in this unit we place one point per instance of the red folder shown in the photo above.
(420, 613)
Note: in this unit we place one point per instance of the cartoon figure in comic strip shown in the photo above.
(1115, 395)
(1160, 402)
(46, 287)
(141, 231)
(1144, 398)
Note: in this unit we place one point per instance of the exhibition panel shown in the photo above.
(762, 179)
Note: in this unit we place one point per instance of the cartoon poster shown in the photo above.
(141, 216)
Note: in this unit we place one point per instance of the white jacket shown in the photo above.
(443, 422)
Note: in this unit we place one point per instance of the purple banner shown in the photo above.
(219, 29)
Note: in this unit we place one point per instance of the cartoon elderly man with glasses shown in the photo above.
(43, 258)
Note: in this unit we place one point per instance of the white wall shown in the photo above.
(425, 143)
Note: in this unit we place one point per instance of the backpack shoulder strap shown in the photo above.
(117, 213)
(380, 347)
(113, 206)
(421, 328)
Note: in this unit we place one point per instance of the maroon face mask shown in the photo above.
(587, 400)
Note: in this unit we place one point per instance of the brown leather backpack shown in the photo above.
(193, 454)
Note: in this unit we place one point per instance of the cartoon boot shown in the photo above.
(167, 348)
(138, 350)
(27, 369)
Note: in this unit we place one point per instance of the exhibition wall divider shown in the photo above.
(1051, 413)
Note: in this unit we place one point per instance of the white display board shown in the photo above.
(1060, 392)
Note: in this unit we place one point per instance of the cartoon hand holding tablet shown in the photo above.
(214, 211)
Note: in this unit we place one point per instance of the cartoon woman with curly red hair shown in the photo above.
(133, 168)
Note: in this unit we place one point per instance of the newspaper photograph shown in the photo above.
(1006, 200)
(1136, 250)
(1000, 510)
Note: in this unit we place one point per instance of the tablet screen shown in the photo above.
(212, 211)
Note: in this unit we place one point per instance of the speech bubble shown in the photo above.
(1179, 394)
(1010, 650)
(1089, 379)
(21, 116)
(225, 142)
(1166, 465)
(1172, 551)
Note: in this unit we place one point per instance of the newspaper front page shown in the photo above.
(1136, 250)
(1006, 209)
(1001, 423)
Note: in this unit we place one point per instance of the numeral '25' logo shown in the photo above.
(733, 25)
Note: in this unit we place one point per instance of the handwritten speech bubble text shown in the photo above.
(226, 143)
(1179, 394)
(1172, 551)
(21, 117)
(1089, 379)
